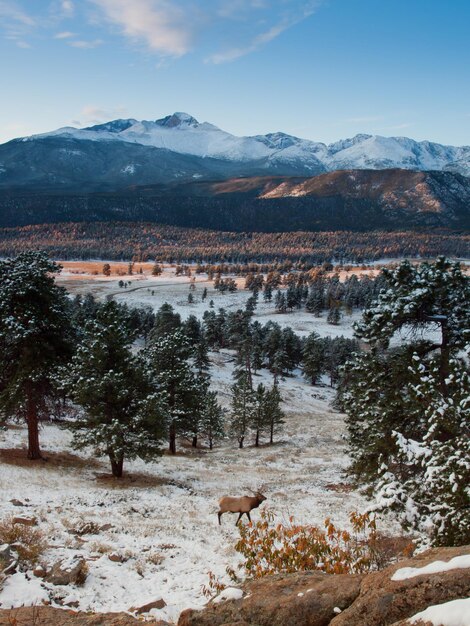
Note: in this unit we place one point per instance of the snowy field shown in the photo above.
(161, 518)
(146, 290)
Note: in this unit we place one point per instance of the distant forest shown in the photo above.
(149, 241)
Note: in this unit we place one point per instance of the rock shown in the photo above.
(384, 601)
(303, 599)
(116, 558)
(8, 559)
(46, 615)
(68, 572)
(39, 571)
(145, 608)
(26, 521)
(16, 502)
(106, 527)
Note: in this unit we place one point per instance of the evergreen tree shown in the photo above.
(157, 270)
(166, 321)
(107, 269)
(268, 293)
(274, 413)
(334, 315)
(405, 414)
(313, 358)
(168, 358)
(204, 294)
(35, 337)
(426, 481)
(243, 407)
(259, 419)
(124, 413)
(212, 422)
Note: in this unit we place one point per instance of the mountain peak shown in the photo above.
(178, 119)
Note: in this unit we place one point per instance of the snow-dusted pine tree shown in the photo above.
(243, 406)
(124, 413)
(168, 358)
(35, 337)
(408, 411)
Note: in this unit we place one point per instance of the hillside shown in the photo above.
(356, 200)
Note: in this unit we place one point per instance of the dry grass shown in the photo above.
(51, 460)
(28, 542)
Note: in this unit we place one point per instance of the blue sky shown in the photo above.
(320, 69)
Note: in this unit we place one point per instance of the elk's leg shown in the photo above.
(219, 515)
(239, 517)
(248, 516)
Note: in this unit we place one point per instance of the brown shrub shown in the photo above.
(29, 542)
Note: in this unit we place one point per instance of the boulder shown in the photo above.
(8, 559)
(303, 599)
(25, 521)
(383, 601)
(71, 571)
(145, 608)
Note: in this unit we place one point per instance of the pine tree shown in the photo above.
(427, 480)
(168, 358)
(157, 270)
(35, 337)
(274, 413)
(124, 414)
(259, 418)
(212, 419)
(407, 406)
(166, 321)
(313, 358)
(334, 315)
(243, 407)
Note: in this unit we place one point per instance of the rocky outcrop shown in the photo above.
(304, 599)
(383, 601)
(48, 616)
(316, 599)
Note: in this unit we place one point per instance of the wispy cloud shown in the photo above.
(66, 34)
(171, 28)
(15, 23)
(162, 26)
(68, 7)
(92, 114)
(11, 12)
(85, 44)
(289, 19)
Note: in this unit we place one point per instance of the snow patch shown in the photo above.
(454, 613)
(458, 562)
(230, 593)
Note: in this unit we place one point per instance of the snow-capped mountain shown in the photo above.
(179, 148)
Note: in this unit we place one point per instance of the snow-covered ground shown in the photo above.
(163, 515)
(146, 290)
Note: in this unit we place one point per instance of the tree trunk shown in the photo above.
(257, 439)
(210, 444)
(34, 451)
(194, 443)
(240, 442)
(271, 434)
(172, 442)
(116, 465)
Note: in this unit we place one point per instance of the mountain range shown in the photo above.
(128, 153)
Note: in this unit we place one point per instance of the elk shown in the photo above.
(242, 505)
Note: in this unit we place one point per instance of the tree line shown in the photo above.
(146, 240)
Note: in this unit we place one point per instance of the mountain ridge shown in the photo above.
(177, 148)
